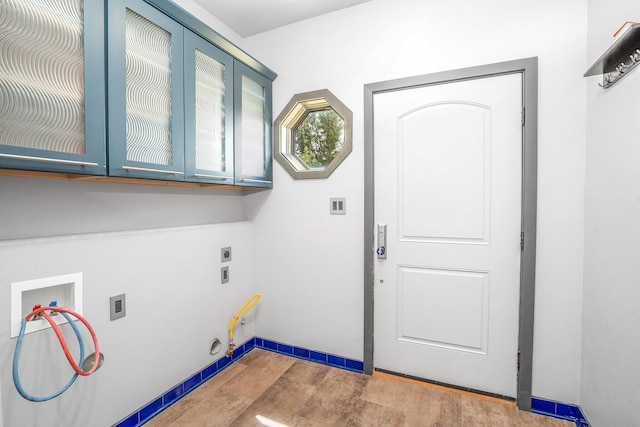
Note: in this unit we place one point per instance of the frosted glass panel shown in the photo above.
(253, 128)
(148, 91)
(42, 75)
(210, 113)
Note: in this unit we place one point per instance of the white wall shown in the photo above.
(198, 11)
(611, 372)
(309, 264)
(175, 307)
(33, 207)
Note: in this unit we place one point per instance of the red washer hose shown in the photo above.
(63, 343)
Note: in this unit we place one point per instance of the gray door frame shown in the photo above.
(528, 67)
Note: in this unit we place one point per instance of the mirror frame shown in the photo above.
(292, 115)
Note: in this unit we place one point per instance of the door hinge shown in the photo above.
(523, 115)
(522, 240)
(518, 361)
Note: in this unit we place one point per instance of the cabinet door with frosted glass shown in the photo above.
(253, 151)
(52, 86)
(146, 134)
(208, 109)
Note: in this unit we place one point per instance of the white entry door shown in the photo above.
(448, 187)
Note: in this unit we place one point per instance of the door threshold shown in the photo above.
(485, 395)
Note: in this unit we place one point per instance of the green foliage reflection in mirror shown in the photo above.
(312, 135)
(319, 138)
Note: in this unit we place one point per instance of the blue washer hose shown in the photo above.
(16, 356)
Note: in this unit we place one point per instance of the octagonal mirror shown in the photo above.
(312, 135)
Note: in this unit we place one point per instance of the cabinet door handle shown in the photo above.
(204, 175)
(133, 168)
(261, 181)
(48, 160)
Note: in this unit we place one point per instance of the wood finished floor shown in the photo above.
(297, 393)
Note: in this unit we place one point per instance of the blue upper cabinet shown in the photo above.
(145, 80)
(253, 133)
(174, 101)
(208, 112)
(52, 87)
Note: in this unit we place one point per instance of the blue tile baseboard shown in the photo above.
(311, 355)
(559, 410)
(153, 408)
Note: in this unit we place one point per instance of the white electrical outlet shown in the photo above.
(338, 206)
(118, 306)
(225, 254)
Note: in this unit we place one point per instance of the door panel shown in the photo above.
(448, 166)
(423, 319)
(457, 211)
(208, 96)
(252, 124)
(52, 108)
(146, 102)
